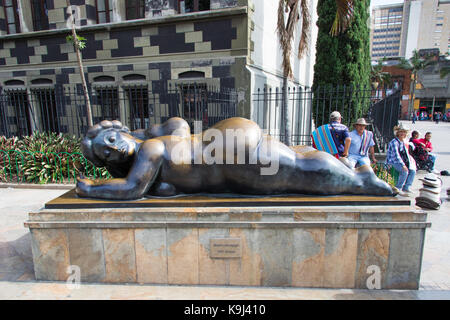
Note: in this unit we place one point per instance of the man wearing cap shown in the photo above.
(340, 134)
(361, 144)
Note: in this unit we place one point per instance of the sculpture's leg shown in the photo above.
(323, 174)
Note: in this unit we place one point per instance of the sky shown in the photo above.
(380, 2)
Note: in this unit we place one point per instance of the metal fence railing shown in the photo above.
(267, 107)
(308, 109)
(384, 115)
(63, 109)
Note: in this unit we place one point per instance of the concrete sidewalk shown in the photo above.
(17, 276)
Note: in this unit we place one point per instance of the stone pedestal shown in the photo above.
(323, 242)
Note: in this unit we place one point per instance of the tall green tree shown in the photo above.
(343, 60)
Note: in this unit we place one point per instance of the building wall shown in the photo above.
(386, 31)
(265, 66)
(432, 87)
(157, 49)
(234, 45)
(404, 77)
(424, 24)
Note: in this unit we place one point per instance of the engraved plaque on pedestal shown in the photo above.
(225, 248)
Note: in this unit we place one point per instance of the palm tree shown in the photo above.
(415, 64)
(379, 77)
(285, 32)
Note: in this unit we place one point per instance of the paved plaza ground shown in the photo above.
(17, 276)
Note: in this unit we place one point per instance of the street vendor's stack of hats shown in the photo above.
(429, 196)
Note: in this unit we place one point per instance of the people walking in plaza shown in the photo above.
(340, 134)
(361, 144)
(437, 117)
(414, 117)
(398, 157)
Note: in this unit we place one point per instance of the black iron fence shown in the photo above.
(63, 109)
(384, 115)
(308, 109)
(268, 112)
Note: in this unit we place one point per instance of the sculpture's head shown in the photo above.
(108, 142)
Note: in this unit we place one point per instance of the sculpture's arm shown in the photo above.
(141, 176)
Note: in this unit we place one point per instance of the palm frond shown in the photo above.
(306, 24)
(344, 15)
(286, 31)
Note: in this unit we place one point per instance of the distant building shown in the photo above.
(398, 29)
(432, 91)
(401, 79)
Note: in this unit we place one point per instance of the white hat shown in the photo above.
(432, 180)
(335, 115)
(431, 189)
(431, 195)
(361, 121)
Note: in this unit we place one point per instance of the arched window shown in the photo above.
(191, 74)
(14, 83)
(133, 77)
(41, 81)
(104, 79)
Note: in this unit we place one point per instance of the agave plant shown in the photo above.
(43, 158)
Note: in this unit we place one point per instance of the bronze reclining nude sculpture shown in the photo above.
(164, 161)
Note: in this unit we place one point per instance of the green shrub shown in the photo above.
(45, 158)
(385, 173)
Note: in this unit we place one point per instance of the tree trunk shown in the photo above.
(285, 113)
(83, 79)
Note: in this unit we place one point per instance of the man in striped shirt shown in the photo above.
(362, 145)
(398, 156)
(340, 134)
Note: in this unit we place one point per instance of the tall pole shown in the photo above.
(432, 109)
(80, 66)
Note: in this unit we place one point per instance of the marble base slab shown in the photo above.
(328, 246)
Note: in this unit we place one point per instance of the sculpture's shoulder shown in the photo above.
(174, 126)
(152, 147)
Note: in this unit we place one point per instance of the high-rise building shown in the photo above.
(398, 29)
(386, 31)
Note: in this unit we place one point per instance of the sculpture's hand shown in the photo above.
(83, 186)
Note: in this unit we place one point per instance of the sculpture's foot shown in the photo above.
(346, 162)
(395, 191)
(162, 189)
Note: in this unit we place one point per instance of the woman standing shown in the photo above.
(398, 156)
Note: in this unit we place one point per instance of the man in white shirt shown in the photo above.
(362, 144)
